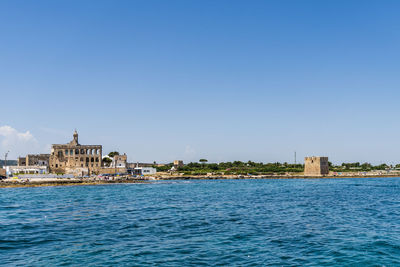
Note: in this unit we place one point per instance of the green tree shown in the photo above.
(163, 168)
(381, 167)
(112, 154)
(107, 161)
(238, 163)
(366, 166)
(203, 162)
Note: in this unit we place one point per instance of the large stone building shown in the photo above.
(74, 158)
(316, 166)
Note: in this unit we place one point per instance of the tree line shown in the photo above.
(260, 168)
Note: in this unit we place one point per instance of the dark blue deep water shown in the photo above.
(310, 222)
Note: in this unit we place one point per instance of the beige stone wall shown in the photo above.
(77, 171)
(112, 170)
(122, 158)
(316, 166)
(3, 172)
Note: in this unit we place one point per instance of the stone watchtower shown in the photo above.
(316, 166)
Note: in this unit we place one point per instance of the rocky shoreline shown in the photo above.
(77, 182)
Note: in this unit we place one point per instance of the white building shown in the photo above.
(143, 171)
(13, 170)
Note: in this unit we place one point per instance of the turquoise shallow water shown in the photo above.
(314, 222)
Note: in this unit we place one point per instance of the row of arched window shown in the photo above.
(82, 151)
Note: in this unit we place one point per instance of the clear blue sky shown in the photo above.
(222, 80)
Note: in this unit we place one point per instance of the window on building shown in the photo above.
(76, 151)
(66, 152)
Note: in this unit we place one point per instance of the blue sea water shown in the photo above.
(304, 222)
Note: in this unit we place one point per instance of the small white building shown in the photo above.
(14, 170)
(143, 171)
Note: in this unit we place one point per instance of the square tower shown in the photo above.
(178, 163)
(316, 166)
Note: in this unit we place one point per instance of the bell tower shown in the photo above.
(75, 140)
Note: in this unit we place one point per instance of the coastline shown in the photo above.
(81, 182)
(239, 177)
(19, 184)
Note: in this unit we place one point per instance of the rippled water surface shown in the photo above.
(314, 222)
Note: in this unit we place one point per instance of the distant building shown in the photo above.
(316, 166)
(141, 168)
(117, 166)
(75, 158)
(34, 160)
(142, 171)
(178, 163)
(119, 161)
